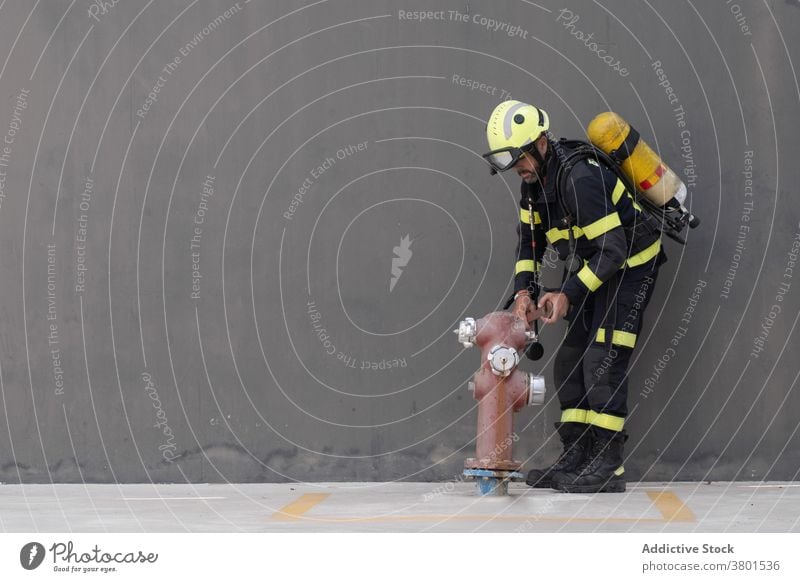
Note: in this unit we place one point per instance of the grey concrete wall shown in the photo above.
(201, 200)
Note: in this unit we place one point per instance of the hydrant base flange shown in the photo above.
(490, 482)
(492, 464)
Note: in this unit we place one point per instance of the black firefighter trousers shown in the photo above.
(591, 366)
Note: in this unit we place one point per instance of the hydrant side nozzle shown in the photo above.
(467, 331)
(536, 390)
(502, 360)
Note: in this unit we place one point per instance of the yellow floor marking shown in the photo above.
(296, 509)
(670, 506)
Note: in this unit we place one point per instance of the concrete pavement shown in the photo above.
(397, 507)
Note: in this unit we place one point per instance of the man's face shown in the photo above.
(527, 167)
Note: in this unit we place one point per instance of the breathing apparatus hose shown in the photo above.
(534, 350)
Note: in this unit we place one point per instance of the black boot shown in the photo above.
(602, 470)
(575, 437)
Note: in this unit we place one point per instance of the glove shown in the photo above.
(524, 308)
(553, 307)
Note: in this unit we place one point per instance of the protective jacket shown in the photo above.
(611, 232)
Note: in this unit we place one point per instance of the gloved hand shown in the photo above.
(553, 307)
(524, 308)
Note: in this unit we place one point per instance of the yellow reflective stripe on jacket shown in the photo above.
(557, 234)
(525, 216)
(602, 226)
(647, 254)
(573, 415)
(619, 190)
(587, 276)
(606, 421)
(621, 338)
(525, 266)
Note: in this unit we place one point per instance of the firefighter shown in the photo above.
(612, 256)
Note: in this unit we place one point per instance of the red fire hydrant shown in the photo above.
(500, 389)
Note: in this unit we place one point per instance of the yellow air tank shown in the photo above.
(651, 176)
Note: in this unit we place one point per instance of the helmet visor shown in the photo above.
(504, 158)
